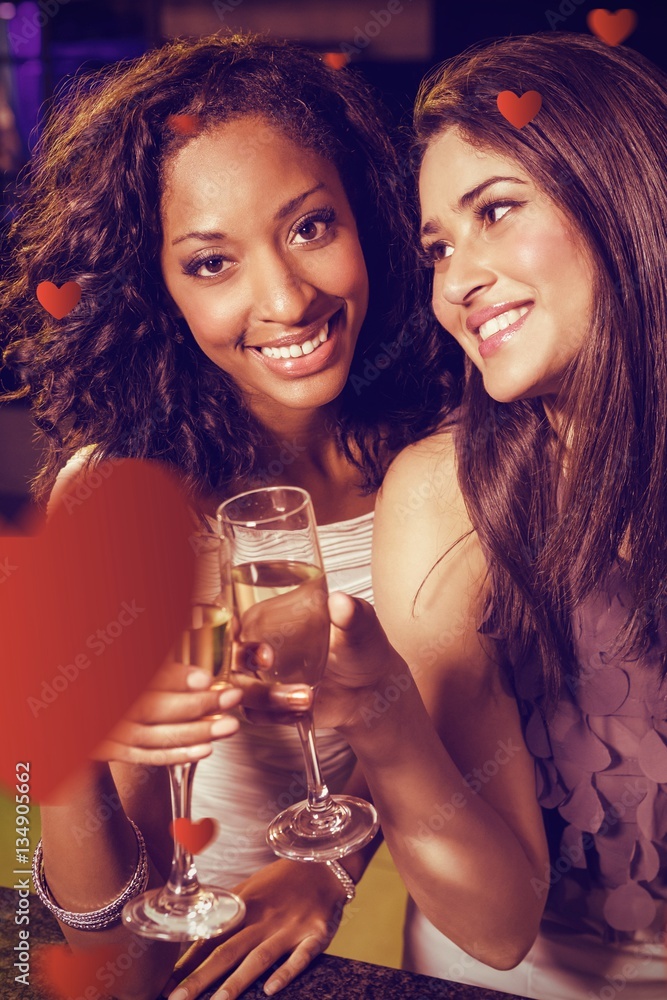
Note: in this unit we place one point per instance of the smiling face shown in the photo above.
(512, 281)
(262, 258)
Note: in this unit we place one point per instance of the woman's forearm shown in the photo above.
(461, 862)
(90, 854)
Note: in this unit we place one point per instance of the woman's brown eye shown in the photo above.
(308, 230)
(211, 266)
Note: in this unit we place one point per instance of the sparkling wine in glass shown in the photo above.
(280, 593)
(183, 909)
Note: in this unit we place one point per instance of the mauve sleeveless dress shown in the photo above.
(601, 774)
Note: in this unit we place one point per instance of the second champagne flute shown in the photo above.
(184, 910)
(280, 593)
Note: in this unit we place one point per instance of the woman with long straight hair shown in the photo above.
(533, 531)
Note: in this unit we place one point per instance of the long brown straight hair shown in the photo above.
(598, 148)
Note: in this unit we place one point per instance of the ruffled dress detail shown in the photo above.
(601, 762)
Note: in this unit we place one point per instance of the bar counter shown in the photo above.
(327, 978)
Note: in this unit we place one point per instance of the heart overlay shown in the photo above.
(89, 606)
(194, 837)
(71, 975)
(184, 124)
(612, 27)
(58, 301)
(519, 111)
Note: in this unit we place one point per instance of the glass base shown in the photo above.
(302, 834)
(165, 916)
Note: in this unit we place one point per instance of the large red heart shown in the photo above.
(88, 609)
(519, 110)
(85, 974)
(58, 301)
(194, 837)
(612, 27)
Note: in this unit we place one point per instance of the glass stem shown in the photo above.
(183, 879)
(319, 800)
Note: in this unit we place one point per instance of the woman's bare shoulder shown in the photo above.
(421, 485)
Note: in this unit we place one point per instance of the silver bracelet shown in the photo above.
(344, 878)
(96, 920)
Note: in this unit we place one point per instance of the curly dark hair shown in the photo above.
(598, 148)
(122, 371)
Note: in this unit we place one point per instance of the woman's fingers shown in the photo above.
(263, 697)
(184, 735)
(111, 750)
(300, 959)
(155, 707)
(194, 973)
(256, 962)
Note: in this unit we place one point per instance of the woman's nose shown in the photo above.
(468, 271)
(281, 292)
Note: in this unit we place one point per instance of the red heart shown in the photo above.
(194, 837)
(58, 301)
(184, 124)
(88, 610)
(336, 60)
(71, 975)
(612, 27)
(519, 110)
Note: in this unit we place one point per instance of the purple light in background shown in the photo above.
(24, 33)
(7, 11)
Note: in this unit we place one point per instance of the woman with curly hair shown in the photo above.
(232, 212)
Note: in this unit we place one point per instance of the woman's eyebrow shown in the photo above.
(292, 205)
(431, 227)
(209, 235)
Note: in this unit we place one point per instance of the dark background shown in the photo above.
(43, 42)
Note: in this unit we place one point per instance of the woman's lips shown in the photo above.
(489, 346)
(307, 363)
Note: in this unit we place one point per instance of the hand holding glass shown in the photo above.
(280, 592)
(184, 910)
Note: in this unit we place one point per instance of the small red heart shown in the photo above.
(184, 124)
(58, 301)
(70, 975)
(88, 611)
(519, 110)
(612, 27)
(336, 60)
(194, 837)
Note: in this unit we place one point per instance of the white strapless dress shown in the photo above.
(250, 777)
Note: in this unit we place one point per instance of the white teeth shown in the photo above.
(501, 322)
(298, 350)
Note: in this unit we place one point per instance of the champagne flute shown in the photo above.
(280, 593)
(183, 909)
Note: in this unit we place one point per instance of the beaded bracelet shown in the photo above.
(344, 878)
(96, 920)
